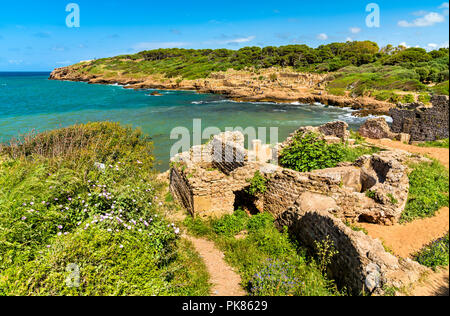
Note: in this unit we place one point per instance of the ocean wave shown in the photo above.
(349, 117)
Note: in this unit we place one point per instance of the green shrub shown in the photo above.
(436, 254)
(428, 192)
(308, 152)
(441, 88)
(231, 224)
(79, 208)
(424, 98)
(408, 98)
(258, 184)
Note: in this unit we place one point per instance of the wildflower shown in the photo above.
(121, 246)
(60, 227)
(59, 234)
(24, 218)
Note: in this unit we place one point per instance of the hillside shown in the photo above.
(357, 74)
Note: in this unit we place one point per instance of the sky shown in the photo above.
(34, 35)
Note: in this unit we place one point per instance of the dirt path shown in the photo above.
(405, 240)
(225, 281)
(441, 154)
(435, 285)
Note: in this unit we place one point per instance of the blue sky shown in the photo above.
(34, 35)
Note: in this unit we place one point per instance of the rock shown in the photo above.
(376, 128)
(156, 94)
(337, 129)
(404, 138)
(316, 202)
(423, 123)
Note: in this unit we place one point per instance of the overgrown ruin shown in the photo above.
(212, 180)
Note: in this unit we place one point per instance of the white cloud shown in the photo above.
(432, 45)
(15, 61)
(444, 6)
(322, 36)
(403, 44)
(349, 39)
(67, 62)
(155, 45)
(429, 19)
(237, 40)
(355, 30)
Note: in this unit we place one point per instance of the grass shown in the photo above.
(428, 192)
(269, 262)
(86, 199)
(435, 254)
(442, 143)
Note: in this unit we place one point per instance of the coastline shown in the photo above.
(238, 88)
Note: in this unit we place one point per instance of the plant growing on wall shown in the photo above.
(258, 184)
(309, 152)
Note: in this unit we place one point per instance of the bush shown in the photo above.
(308, 152)
(74, 209)
(258, 184)
(436, 254)
(408, 98)
(231, 224)
(428, 192)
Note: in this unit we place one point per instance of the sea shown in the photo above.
(31, 102)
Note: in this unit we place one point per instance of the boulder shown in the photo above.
(376, 128)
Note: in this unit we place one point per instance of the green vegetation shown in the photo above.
(428, 192)
(81, 214)
(360, 67)
(442, 143)
(269, 262)
(258, 184)
(435, 254)
(309, 152)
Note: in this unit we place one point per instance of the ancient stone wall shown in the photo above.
(423, 123)
(362, 265)
(342, 191)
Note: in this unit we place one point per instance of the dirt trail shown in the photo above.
(225, 281)
(441, 154)
(435, 285)
(405, 240)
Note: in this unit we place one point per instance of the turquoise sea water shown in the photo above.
(29, 101)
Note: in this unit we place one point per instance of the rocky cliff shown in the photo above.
(270, 85)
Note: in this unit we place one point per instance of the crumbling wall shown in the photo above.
(362, 265)
(423, 123)
(344, 189)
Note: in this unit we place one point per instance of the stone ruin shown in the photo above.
(423, 123)
(211, 180)
(412, 123)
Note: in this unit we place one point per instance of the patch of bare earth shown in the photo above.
(225, 281)
(441, 154)
(406, 240)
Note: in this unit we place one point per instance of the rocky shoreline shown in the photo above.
(239, 86)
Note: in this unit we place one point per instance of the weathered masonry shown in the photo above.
(211, 180)
(423, 123)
